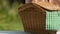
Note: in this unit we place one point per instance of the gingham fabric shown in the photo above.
(53, 20)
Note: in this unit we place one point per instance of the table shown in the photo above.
(14, 32)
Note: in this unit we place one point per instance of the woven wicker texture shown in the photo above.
(34, 19)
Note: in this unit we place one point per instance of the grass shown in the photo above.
(9, 18)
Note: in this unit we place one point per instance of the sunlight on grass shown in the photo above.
(9, 18)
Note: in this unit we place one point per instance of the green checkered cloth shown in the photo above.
(53, 20)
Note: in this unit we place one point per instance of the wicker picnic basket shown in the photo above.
(34, 18)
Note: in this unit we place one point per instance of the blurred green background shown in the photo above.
(9, 18)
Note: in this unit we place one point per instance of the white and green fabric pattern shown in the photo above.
(53, 20)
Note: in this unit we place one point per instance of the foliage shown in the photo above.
(9, 18)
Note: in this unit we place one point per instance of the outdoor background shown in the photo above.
(9, 18)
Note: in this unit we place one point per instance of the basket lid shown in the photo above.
(48, 6)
